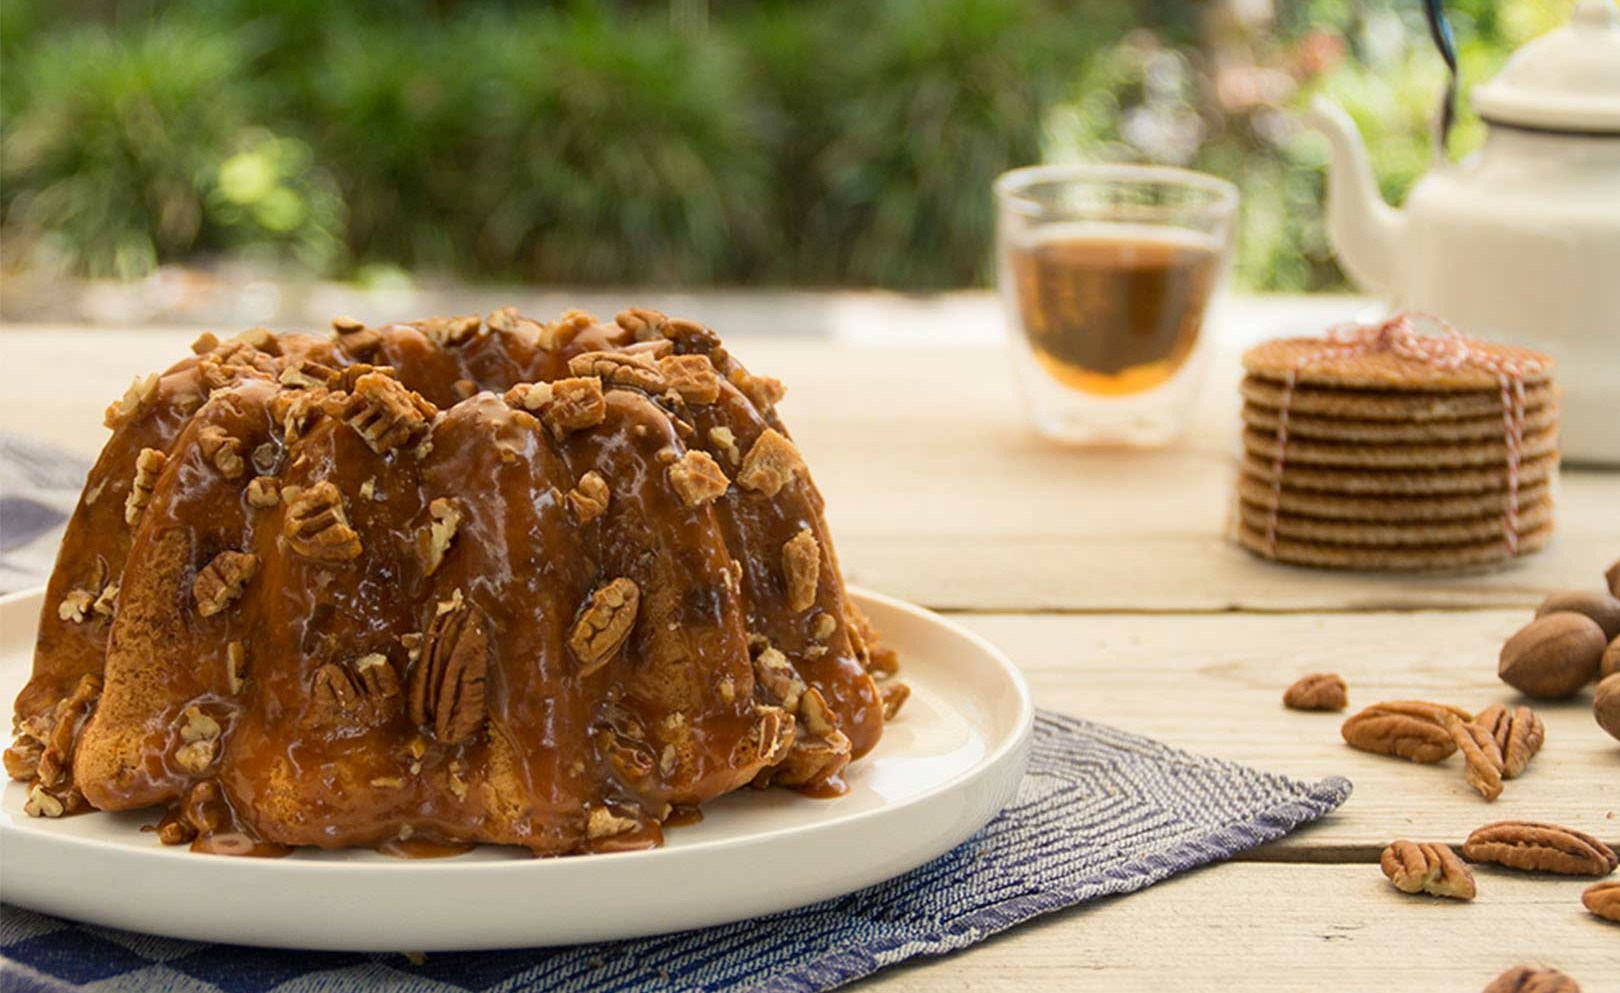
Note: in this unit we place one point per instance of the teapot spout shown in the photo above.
(1365, 231)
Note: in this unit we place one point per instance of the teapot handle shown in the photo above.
(1440, 32)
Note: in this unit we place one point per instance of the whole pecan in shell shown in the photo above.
(1536, 847)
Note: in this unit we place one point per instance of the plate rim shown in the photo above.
(1016, 739)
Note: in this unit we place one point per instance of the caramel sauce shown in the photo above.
(832, 786)
(683, 815)
(288, 773)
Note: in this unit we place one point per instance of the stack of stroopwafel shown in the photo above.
(1383, 447)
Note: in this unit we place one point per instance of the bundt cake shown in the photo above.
(449, 582)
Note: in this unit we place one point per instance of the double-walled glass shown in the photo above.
(1107, 273)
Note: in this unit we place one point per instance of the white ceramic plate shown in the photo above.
(943, 769)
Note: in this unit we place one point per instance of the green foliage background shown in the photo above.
(843, 142)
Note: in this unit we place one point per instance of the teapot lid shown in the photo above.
(1566, 80)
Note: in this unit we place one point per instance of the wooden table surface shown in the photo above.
(1105, 576)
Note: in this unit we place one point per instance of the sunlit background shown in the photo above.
(678, 143)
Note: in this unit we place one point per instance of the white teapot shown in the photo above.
(1521, 241)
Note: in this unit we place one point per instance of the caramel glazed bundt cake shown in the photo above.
(442, 583)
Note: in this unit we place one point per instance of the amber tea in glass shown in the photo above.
(1107, 273)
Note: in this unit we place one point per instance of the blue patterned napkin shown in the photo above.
(1100, 813)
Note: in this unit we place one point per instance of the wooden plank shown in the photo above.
(1213, 684)
(938, 492)
(1283, 929)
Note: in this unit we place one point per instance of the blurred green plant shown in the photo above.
(681, 141)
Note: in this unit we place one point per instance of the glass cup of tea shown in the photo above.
(1106, 272)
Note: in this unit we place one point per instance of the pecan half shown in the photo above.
(1318, 691)
(646, 325)
(307, 374)
(815, 715)
(1519, 734)
(54, 769)
(142, 390)
(1536, 847)
(384, 413)
(564, 405)
(691, 376)
(590, 498)
(148, 467)
(1411, 729)
(366, 689)
(1525, 979)
(770, 463)
(1427, 868)
(220, 582)
(221, 450)
(608, 617)
(316, 526)
(442, 530)
(620, 369)
(1603, 899)
(448, 684)
(698, 479)
(1483, 758)
(801, 567)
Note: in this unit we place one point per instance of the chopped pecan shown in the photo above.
(773, 671)
(442, 530)
(75, 606)
(220, 582)
(307, 374)
(1603, 899)
(1525, 979)
(1484, 759)
(344, 325)
(1518, 733)
(448, 331)
(1411, 729)
(507, 320)
(1427, 868)
(770, 463)
(148, 466)
(692, 376)
(690, 337)
(1536, 847)
(620, 369)
(293, 412)
(262, 492)
(590, 498)
(604, 822)
(448, 683)
(316, 526)
(235, 666)
(768, 741)
(894, 696)
(221, 451)
(801, 567)
(205, 343)
(200, 740)
(1318, 691)
(697, 477)
(365, 688)
(140, 393)
(815, 715)
(764, 392)
(54, 770)
(726, 443)
(565, 405)
(823, 625)
(605, 624)
(385, 413)
(646, 325)
(811, 761)
(43, 803)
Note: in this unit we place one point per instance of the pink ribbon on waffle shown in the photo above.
(1450, 349)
